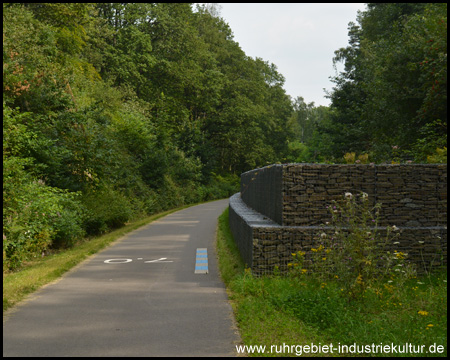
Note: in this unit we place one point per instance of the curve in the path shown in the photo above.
(139, 297)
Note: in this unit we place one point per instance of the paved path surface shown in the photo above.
(145, 300)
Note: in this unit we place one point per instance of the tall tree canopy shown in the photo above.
(116, 110)
(393, 90)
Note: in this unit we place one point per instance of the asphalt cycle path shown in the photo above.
(142, 296)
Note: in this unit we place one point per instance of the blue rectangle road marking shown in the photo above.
(201, 268)
(201, 261)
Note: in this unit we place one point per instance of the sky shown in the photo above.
(300, 39)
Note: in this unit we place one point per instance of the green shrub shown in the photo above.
(354, 253)
(439, 157)
(68, 224)
(106, 209)
(299, 152)
(35, 216)
(218, 187)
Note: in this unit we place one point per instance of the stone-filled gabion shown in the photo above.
(281, 209)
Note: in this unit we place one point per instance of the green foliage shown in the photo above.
(350, 158)
(393, 89)
(107, 209)
(439, 157)
(140, 107)
(17, 137)
(351, 250)
(426, 147)
(306, 125)
(299, 152)
(219, 187)
(313, 307)
(35, 216)
(381, 315)
(69, 222)
(303, 309)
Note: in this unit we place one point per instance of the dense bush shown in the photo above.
(107, 209)
(35, 216)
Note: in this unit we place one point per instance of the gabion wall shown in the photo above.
(262, 188)
(413, 197)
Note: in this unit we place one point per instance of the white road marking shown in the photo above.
(159, 260)
(117, 261)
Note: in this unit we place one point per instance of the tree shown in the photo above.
(387, 87)
(117, 110)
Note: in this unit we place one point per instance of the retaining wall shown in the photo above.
(282, 208)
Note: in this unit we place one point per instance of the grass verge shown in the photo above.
(18, 284)
(299, 310)
(259, 321)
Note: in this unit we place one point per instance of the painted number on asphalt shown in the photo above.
(159, 260)
(124, 261)
(117, 261)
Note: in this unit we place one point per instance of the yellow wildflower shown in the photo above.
(424, 313)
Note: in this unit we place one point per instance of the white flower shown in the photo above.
(323, 235)
(395, 228)
(396, 243)
(365, 196)
(348, 195)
